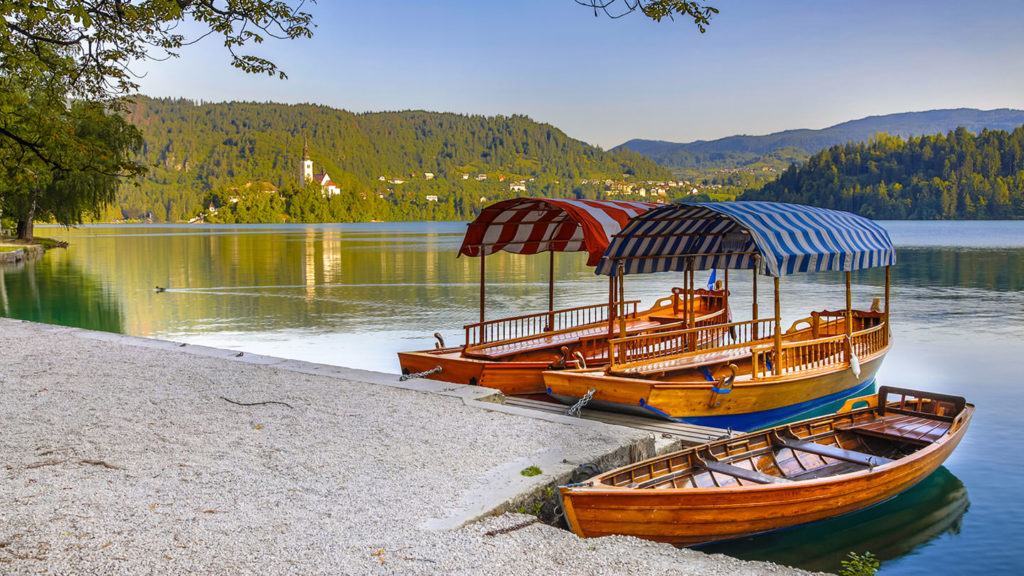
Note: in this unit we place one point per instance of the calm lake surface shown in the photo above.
(354, 295)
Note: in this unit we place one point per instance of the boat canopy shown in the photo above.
(776, 238)
(535, 225)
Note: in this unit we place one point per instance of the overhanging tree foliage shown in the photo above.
(91, 151)
(655, 9)
(61, 159)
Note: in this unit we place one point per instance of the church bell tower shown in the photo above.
(307, 164)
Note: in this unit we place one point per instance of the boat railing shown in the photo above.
(818, 353)
(540, 324)
(659, 346)
(709, 299)
(596, 346)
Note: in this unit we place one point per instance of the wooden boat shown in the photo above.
(510, 354)
(777, 478)
(929, 510)
(748, 374)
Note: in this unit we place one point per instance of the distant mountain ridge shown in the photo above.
(743, 150)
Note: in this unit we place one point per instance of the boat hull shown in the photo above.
(689, 516)
(749, 405)
(510, 377)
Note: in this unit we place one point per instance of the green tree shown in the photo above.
(58, 51)
(79, 154)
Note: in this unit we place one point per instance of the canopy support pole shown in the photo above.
(725, 297)
(754, 312)
(886, 335)
(849, 307)
(551, 291)
(611, 306)
(483, 270)
(693, 295)
(622, 301)
(777, 364)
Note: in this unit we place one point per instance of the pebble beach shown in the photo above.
(123, 455)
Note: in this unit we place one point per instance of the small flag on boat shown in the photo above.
(711, 280)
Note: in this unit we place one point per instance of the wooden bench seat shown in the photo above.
(743, 473)
(904, 428)
(671, 364)
(834, 452)
(503, 349)
(833, 469)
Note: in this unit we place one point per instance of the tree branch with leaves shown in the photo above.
(655, 9)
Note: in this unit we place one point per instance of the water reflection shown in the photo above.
(54, 290)
(892, 529)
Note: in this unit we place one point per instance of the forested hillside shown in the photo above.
(388, 165)
(775, 151)
(958, 175)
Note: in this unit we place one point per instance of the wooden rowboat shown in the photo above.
(510, 354)
(777, 478)
(748, 374)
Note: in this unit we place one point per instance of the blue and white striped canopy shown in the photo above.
(778, 239)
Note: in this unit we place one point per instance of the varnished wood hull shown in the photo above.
(750, 404)
(520, 372)
(510, 377)
(688, 516)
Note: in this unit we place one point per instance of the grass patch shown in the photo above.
(10, 248)
(531, 471)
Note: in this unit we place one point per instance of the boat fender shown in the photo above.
(854, 361)
(440, 341)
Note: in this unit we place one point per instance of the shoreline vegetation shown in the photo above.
(245, 163)
(13, 250)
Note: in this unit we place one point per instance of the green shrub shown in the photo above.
(859, 565)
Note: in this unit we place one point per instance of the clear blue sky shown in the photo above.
(763, 66)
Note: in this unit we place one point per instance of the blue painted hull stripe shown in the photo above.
(755, 420)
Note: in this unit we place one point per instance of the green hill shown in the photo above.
(776, 151)
(957, 175)
(209, 152)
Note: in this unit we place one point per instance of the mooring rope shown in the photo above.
(405, 377)
(578, 406)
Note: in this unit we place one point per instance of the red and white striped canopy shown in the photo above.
(534, 225)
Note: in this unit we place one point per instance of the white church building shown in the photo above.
(328, 187)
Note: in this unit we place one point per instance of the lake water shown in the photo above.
(354, 295)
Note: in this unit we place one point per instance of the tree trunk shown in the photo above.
(26, 229)
(26, 225)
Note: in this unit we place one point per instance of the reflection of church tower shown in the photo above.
(307, 164)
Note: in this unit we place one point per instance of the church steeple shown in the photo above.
(306, 168)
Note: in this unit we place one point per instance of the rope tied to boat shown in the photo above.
(578, 406)
(433, 370)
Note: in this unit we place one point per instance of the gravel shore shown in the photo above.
(122, 455)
